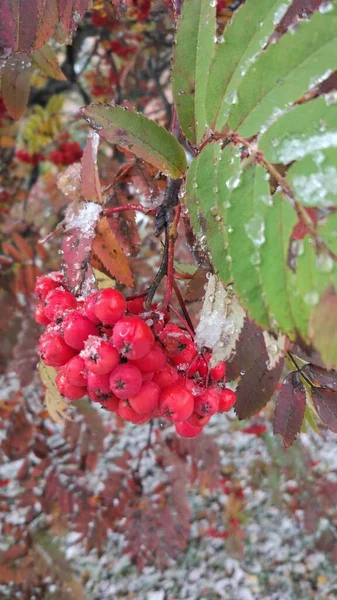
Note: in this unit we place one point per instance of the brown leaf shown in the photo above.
(323, 327)
(123, 225)
(47, 61)
(15, 83)
(321, 377)
(25, 351)
(91, 187)
(326, 405)
(108, 250)
(290, 408)
(257, 383)
(196, 286)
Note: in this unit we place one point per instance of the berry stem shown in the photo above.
(136, 207)
(172, 236)
(182, 305)
(187, 327)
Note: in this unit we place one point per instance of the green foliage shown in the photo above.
(139, 135)
(44, 124)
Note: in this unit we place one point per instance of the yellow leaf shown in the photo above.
(55, 403)
(102, 280)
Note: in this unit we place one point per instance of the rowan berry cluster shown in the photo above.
(132, 361)
(66, 154)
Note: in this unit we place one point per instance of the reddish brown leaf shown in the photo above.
(145, 185)
(91, 187)
(326, 405)
(15, 83)
(196, 286)
(321, 377)
(250, 361)
(123, 225)
(25, 351)
(290, 409)
(109, 252)
(13, 553)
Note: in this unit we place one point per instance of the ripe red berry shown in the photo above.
(198, 420)
(147, 399)
(193, 368)
(218, 372)
(125, 380)
(168, 375)
(154, 360)
(39, 315)
(57, 302)
(135, 306)
(186, 430)
(227, 399)
(132, 337)
(100, 356)
(89, 305)
(75, 371)
(71, 392)
(111, 404)
(98, 383)
(208, 403)
(203, 364)
(44, 285)
(147, 376)
(178, 346)
(126, 412)
(53, 350)
(176, 403)
(101, 398)
(109, 306)
(77, 328)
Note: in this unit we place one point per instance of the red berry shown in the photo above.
(135, 306)
(75, 371)
(154, 360)
(186, 430)
(168, 375)
(98, 383)
(111, 404)
(178, 346)
(44, 285)
(176, 403)
(89, 305)
(192, 369)
(132, 337)
(126, 412)
(77, 328)
(186, 356)
(101, 398)
(147, 376)
(218, 372)
(147, 399)
(125, 381)
(57, 303)
(71, 392)
(100, 357)
(203, 364)
(208, 403)
(197, 420)
(53, 350)
(110, 306)
(227, 399)
(39, 315)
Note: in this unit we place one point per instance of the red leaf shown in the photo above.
(15, 83)
(290, 408)
(326, 406)
(91, 187)
(321, 377)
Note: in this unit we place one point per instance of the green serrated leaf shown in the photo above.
(244, 38)
(139, 135)
(206, 198)
(314, 179)
(285, 71)
(327, 231)
(307, 128)
(191, 62)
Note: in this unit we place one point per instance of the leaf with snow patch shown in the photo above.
(307, 128)
(55, 403)
(243, 40)
(91, 187)
(80, 223)
(285, 71)
(325, 402)
(139, 135)
(220, 322)
(109, 252)
(290, 407)
(191, 63)
(323, 327)
(314, 179)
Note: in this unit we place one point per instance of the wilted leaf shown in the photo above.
(55, 403)
(196, 286)
(323, 326)
(108, 250)
(15, 83)
(91, 187)
(321, 377)
(46, 60)
(325, 402)
(123, 225)
(290, 408)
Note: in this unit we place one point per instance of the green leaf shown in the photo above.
(285, 71)
(314, 179)
(307, 128)
(244, 38)
(206, 197)
(327, 230)
(191, 62)
(46, 60)
(138, 135)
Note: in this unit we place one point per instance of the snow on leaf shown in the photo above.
(221, 321)
(70, 181)
(55, 403)
(290, 408)
(276, 348)
(109, 252)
